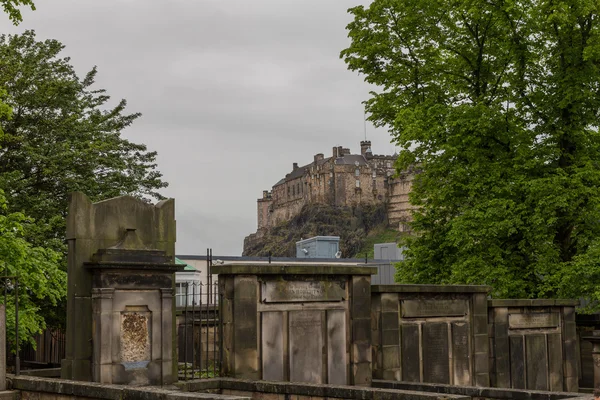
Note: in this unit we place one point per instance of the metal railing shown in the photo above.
(11, 287)
(199, 332)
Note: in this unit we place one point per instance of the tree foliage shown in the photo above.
(40, 279)
(11, 8)
(58, 134)
(496, 103)
(63, 137)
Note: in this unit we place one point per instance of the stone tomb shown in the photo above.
(120, 277)
(431, 333)
(308, 323)
(534, 344)
(132, 303)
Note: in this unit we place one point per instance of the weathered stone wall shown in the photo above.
(430, 333)
(534, 344)
(261, 390)
(399, 207)
(308, 323)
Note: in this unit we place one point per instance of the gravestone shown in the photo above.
(534, 344)
(431, 333)
(120, 319)
(302, 323)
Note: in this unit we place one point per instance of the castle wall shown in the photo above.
(342, 180)
(399, 208)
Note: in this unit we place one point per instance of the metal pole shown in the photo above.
(207, 340)
(207, 269)
(220, 334)
(214, 329)
(209, 281)
(200, 333)
(185, 326)
(193, 328)
(17, 359)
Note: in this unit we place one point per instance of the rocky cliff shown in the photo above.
(354, 225)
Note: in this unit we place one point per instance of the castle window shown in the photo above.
(298, 188)
(293, 190)
(357, 172)
(357, 183)
(288, 190)
(374, 174)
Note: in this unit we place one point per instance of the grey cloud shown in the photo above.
(231, 91)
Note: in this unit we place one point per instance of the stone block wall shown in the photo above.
(534, 344)
(308, 323)
(430, 333)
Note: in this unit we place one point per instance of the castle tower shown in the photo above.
(365, 146)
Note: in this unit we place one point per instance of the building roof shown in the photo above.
(351, 159)
(288, 259)
(187, 267)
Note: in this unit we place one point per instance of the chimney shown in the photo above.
(319, 157)
(345, 151)
(294, 166)
(335, 152)
(364, 146)
(265, 194)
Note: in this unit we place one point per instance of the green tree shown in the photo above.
(496, 103)
(63, 137)
(11, 7)
(40, 279)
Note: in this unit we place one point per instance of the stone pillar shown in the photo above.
(299, 323)
(595, 339)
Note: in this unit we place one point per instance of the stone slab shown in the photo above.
(337, 359)
(517, 362)
(555, 362)
(302, 291)
(537, 362)
(272, 346)
(533, 321)
(306, 346)
(461, 353)
(436, 358)
(411, 364)
(293, 269)
(411, 288)
(434, 308)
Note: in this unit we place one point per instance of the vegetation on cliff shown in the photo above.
(357, 227)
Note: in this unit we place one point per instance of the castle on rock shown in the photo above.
(343, 179)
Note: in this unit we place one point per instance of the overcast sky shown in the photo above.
(231, 94)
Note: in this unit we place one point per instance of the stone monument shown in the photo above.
(299, 323)
(534, 344)
(431, 333)
(120, 319)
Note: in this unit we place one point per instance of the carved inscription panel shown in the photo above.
(135, 335)
(302, 291)
(533, 321)
(434, 308)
